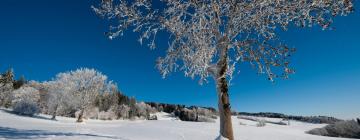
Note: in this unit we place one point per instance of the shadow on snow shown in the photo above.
(34, 116)
(12, 133)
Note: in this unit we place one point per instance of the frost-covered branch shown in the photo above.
(199, 30)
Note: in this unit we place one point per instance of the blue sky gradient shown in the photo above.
(41, 38)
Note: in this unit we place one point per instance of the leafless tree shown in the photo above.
(208, 38)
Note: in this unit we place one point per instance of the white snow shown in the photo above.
(166, 128)
(165, 116)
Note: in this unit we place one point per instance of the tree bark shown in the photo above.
(223, 95)
(224, 109)
(80, 117)
(54, 113)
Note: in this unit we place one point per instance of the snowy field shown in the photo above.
(166, 128)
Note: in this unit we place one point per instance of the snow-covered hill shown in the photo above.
(166, 128)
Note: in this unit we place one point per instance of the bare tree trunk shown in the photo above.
(80, 117)
(54, 113)
(224, 109)
(223, 96)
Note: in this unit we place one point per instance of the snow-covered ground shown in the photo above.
(166, 128)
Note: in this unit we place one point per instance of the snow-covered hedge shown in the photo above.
(26, 107)
(347, 129)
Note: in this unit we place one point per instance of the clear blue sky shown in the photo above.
(40, 38)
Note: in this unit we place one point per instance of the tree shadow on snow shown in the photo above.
(12, 133)
(34, 116)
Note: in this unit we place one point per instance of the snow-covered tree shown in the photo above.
(20, 82)
(208, 38)
(123, 111)
(107, 99)
(59, 95)
(6, 87)
(26, 92)
(143, 110)
(85, 85)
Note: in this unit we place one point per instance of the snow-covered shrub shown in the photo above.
(25, 100)
(91, 113)
(188, 115)
(205, 119)
(77, 113)
(143, 110)
(205, 115)
(108, 115)
(153, 117)
(261, 123)
(278, 123)
(319, 131)
(205, 112)
(122, 111)
(102, 115)
(26, 92)
(26, 107)
(241, 123)
(347, 129)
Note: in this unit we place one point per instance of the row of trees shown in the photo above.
(85, 93)
(72, 93)
(308, 119)
(192, 113)
(7, 85)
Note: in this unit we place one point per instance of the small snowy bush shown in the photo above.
(261, 123)
(241, 123)
(108, 115)
(25, 101)
(26, 107)
(152, 117)
(142, 109)
(92, 113)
